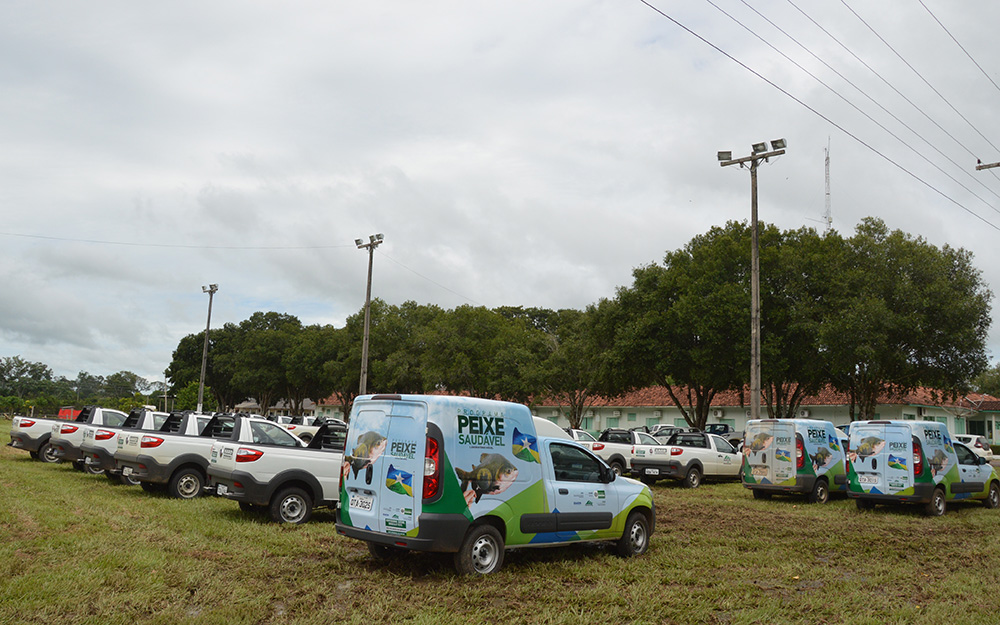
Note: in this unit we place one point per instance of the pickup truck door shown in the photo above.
(583, 505)
(728, 461)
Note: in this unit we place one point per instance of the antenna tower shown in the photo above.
(828, 213)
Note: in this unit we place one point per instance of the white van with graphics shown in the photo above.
(793, 456)
(915, 462)
(473, 476)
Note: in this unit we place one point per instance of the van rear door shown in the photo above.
(882, 457)
(384, 466)
(770, 451)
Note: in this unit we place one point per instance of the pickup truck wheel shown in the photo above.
(481, 552)
(935, 507)
(292, 505)
(128, 480)
(617, 467)
(47, 453)
(761, 494)
(820, 492)
(635, 538)
(185, 484)
(693, 478)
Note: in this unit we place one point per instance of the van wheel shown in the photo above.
(617, 467)
(481, 552)
(761, 494)
(865, 504)
(383, 553)
(635, 538)
(936, 506)
(47, 453)
(185, 484)
(820, 492)
(993, 497)
(292, 505)
(693, 478)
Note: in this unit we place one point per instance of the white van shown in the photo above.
(915, 462)
(473, 476)
(793, 456)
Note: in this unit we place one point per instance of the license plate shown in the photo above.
(126, 471)
(759, 470)
(221, 490)
(867, 479)
(652, 471)
(361, 502)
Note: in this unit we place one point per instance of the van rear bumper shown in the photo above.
(438, 532)
(922, 493)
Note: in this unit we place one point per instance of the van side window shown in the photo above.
(572, 464)
(965, 456)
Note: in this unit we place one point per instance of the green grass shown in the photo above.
(76, 549)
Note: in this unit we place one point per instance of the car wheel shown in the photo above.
(864, 504)
(936, 506)
(635, 539)
(993, 496)
(761, 494)
(92, 469)
(617, 467)
(481, 552)
(384, 553)
(47, 453)
(820, 492)
(292, 505)
(693, 478)
(185, 484)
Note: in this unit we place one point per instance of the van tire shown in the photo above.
(693, 478)
(760, 494)
(936, 506)
(635, 538)
(292, 505)
(185, 483)
(865, 504)
(820, 492)
(993, 496)
(481, 552)
(383, 553)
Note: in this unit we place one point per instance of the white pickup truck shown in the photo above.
(617, 447)
(66, 438)
(274, 472)
(176, 456)
(100, 442)
(690, 457)
(32, 434)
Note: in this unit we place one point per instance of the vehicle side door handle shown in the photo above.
(563, 491)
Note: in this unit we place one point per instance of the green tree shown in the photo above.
(187, 398)
(988, 382)
(573, 367)
(304, 362)
(23, 378)
(259, 369)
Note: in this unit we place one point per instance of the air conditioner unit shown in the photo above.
(804, 413)
(617, 413)
(718, 413)
(657, 413)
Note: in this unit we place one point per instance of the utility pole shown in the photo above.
(374, 241)
(760, 153)
(210, 289)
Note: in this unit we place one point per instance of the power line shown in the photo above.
(988, 77)
(438, 284)
(176, 246)
(818, 114)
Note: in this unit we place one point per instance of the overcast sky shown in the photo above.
(512, 153)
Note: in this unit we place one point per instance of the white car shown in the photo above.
(583, 437)
(978, 444)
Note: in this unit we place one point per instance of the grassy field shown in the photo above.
(76, 549)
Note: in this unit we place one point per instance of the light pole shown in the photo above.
(210, 289)
(374, 240)
(760, 153)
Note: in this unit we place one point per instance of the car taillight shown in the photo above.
(25, 423)
(432, 469)
(918, 458)
(104, 435)
(676, 451)
(68, 429)
(244, 454)
(598, 446)
(800, 454)
(979, 444)
(150, 441)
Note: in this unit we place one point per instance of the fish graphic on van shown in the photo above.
(525, 446)
(938, 462)
(368, 449)
(760, 442)
(897, 462)
(493, 475)
(821, 458)
(869, 446)
(399, 481)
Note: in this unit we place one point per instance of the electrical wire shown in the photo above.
(175, 246)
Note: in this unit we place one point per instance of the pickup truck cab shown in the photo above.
(726, 431)
(276, 472)
(176, 456)
(67, 438)
(100, 442)
(472, 477)
(617, 447)
(689, 457)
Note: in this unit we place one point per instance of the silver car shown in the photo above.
(978, 444)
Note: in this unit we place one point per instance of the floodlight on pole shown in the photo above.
(210, 289)
(759, 154)
(374, 240)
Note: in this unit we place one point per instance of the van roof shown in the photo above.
(544, 427)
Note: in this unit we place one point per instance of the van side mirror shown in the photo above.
(982, 460)
(607, 475)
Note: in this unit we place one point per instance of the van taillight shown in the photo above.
(243, 454)
(800, 454)
(104, 435)
(150, 441)
(918, 458)
(432, 469)
(68, 429)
